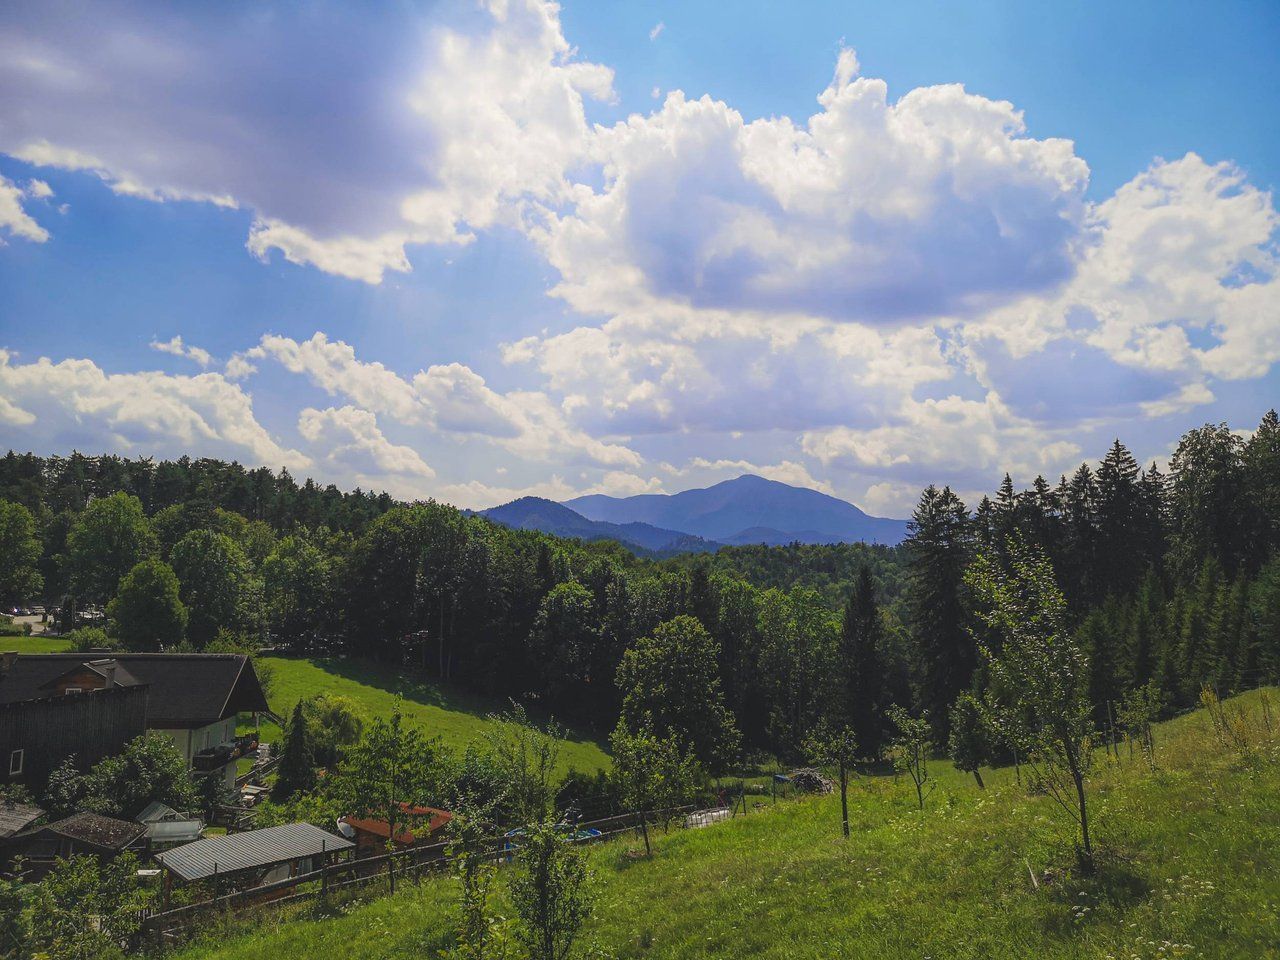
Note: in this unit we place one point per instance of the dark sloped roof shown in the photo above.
(121, 677)
(17, 816)
(105, 832)
(186, 689)
(245, 851)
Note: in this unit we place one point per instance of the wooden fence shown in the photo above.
(164, 928)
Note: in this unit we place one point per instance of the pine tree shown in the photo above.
(1005, 515)
(862, 672)
(1153, 499)
(984, 525)
(1080, 497)
(1119, 521)
(1145, 632)
(297, 771)
(1262, 482)
(939, 548)
(1096, 637)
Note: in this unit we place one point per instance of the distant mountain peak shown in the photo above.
(738, 509)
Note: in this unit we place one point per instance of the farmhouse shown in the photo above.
(194, 698)
(43, 722)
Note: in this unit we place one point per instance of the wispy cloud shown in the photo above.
(177, 348)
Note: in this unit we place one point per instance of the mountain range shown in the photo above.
(748, 509)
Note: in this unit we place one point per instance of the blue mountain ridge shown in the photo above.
(748, 509)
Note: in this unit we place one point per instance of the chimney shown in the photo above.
(109, 669)
(7, 660)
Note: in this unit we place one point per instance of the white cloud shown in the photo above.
(890, 499)
(619, 483)
(656, 32)
(949, 436)
(449, 398)
(239, 367)
(788, 471)
(936, 204)
(75, 404)
(679, 368)
(478, 495)
(351, 437)
(349, 136)
(177, 348)
(899, 291)
(1182, 253)
(13, 218)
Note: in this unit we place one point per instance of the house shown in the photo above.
(252, 858)
(420, 826)
(194, 698)
(45, 717)
(80, 833)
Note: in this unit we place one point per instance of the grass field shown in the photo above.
(454, 717)
(1187, 856)
(35, 644)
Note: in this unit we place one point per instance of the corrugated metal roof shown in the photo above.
(245, 851)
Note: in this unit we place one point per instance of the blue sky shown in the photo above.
(474, 250)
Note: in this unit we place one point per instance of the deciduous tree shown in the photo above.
(147, 612)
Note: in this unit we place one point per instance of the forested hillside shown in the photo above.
(1171, 580)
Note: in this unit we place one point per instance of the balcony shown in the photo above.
(213, 758)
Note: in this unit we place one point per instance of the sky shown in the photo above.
(479, 250)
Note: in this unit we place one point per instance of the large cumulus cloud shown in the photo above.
(936, 204)
(348, 131)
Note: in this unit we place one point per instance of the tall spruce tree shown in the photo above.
(1119, 561)
(297, 772)
(861, 669)
(1262, 482)
(939, 548)
(1080, 498)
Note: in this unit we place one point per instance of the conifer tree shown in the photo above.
(1262, 481)
(939, 547)
(297, 771)
(861, 668)
(1146, 628)
(1119, 521)
(1080, 496)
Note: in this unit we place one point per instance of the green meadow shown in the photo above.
(1188, 855)
(455, 717)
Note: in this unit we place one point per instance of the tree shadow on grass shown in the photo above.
(1113, 888)
(402, 681)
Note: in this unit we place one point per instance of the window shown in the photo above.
(15, 762)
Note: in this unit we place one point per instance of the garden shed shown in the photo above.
(255, 857)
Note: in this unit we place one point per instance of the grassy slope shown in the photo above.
(1189, 856)
(454, 717)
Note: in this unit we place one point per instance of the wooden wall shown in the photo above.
(91, 725)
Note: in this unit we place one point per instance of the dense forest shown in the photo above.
(1172, 582)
